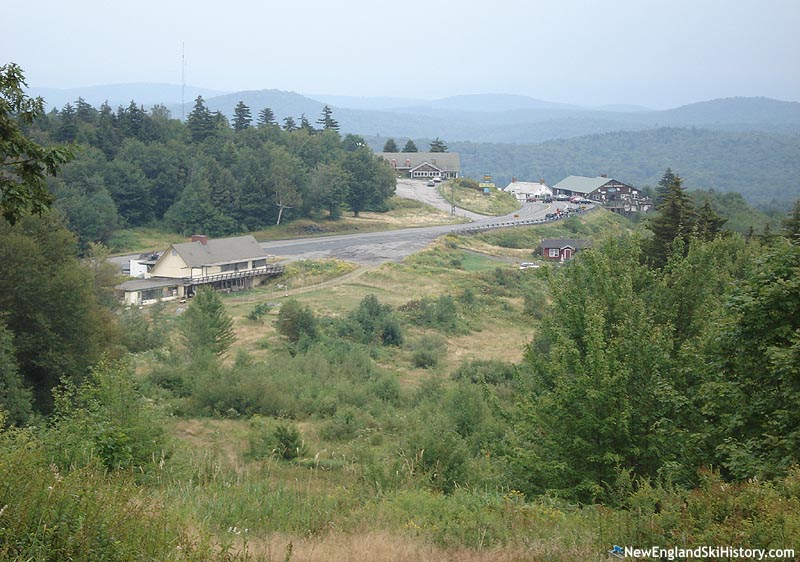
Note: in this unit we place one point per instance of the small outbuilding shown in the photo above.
(562, 249)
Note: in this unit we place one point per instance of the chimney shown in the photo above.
(603, 175)
(541, 181)
(513, 180)
(202, 238)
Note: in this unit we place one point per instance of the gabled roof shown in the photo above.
(581, 184)
(219, 251)
(447, 161)
(574, 243)
(426, 165)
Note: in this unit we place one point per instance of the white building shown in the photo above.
(528, 191)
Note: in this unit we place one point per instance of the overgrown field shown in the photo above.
(369, 419)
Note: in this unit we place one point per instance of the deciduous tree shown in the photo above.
(24, 164)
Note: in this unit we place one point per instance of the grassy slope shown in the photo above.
(323, 505)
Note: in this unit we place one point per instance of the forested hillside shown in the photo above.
(761, 167)
(135, 168)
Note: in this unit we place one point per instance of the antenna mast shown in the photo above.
(183, 80)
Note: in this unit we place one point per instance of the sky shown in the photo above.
(655, 53)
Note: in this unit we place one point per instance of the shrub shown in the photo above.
(260, 310)
(288, 444)
(296, 321)
(428, 351)
(372, 322)
(490, 371)
(105, 420)
(440, 313)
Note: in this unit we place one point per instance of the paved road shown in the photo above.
(419, 190)
(392, 246)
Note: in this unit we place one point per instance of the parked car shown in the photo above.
(431, 183)
(437, 180)
(528, 265)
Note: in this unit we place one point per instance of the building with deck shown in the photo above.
(228, 264)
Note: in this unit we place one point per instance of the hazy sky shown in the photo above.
(659, 53)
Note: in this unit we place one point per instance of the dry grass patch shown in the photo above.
(495, 341)
(384, 546)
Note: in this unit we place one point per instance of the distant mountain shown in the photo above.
(623, 108)
(145, 94)
(503, 118)
(491, 103)
(458, 118)
(735, 111)
(366, 103)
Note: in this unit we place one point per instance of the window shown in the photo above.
(233, 266)
(552, 252)
(259, 263)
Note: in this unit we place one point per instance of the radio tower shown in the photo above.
(183, 80)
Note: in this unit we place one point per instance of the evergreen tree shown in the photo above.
(200, 121)
(206, 326)
(241, 117)
(438, 145)
(390, 146)
(410, 146)
(327, 121)
(219, 121)
(791, 224)
(671, 225)
(68, 128)
(305, 125)
(266, 117)
(663, 186)
(708, 224)
(289, 124)
(84, 111)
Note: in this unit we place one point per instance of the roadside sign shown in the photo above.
(487, 178)
(486, 185)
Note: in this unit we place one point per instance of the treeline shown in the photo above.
(135, 168)
(663, 355)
